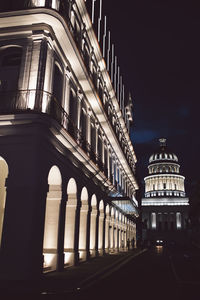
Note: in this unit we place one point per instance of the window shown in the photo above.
(58, 84)
(100, 145)
(72, 114)
(83, 124)
(93, 138)
(10, 61)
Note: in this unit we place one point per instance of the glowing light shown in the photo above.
(153, 220)
(38, 3)
(178, 220)
(48, 259)
(159, 249)
(68, 257)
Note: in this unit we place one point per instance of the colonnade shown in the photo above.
(91, 227)
(101, 227)
(159, 183)
(167, 221)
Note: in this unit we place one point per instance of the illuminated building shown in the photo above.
(165, 205)
(67, 163)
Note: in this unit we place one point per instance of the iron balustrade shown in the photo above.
(43, 102)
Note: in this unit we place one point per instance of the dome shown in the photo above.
(163, 154)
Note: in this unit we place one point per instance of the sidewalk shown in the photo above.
(73, 278)
(84, 275)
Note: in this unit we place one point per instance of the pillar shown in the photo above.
(70, 251)
(93, 227)
(107, 232)
(83, 230)
(101, 228)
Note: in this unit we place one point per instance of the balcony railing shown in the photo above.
(44, 102)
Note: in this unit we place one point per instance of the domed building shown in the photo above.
(165, 205)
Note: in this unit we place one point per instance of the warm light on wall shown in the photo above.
(68, 257)
(48, 259)
(31, 100)
(153, 220)
(38, 3)
(178, 220)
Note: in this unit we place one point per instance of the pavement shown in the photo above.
(71, 279)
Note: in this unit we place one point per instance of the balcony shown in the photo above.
(27, 101)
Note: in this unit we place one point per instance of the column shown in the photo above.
(83, 230)
(116, 233)
(93, 225)
(101, 228)
(51, 228)
(107, 230)
(111, 231)
(70, 225)
(36, 73)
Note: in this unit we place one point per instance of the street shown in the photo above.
(158, 273)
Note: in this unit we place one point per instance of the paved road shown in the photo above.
(156, 274)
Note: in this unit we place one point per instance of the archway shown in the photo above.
(101, 228)
(93, 224)
(116, 232)
(111, 230)
(83, 225)
(107, 232)
(3, 176)
(70, 223)
(52, 219)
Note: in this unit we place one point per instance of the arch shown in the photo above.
(84, 194)
(101, 227)
(50, 242)
(107, 210)
(54, 177)
(3, 176)
(70, 223)
(101, 205)
(93, 201)
(83, 224)
(112, 211)
(10, 55)
(72, 186)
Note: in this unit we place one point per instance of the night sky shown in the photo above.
(158, 49)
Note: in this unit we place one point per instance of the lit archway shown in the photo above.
(101, 226)
(107, 229)
(50, 243)
(93, 224)
(70, 223)
(116, 231)
(3, 176)
(83, 224)
(111, 230)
